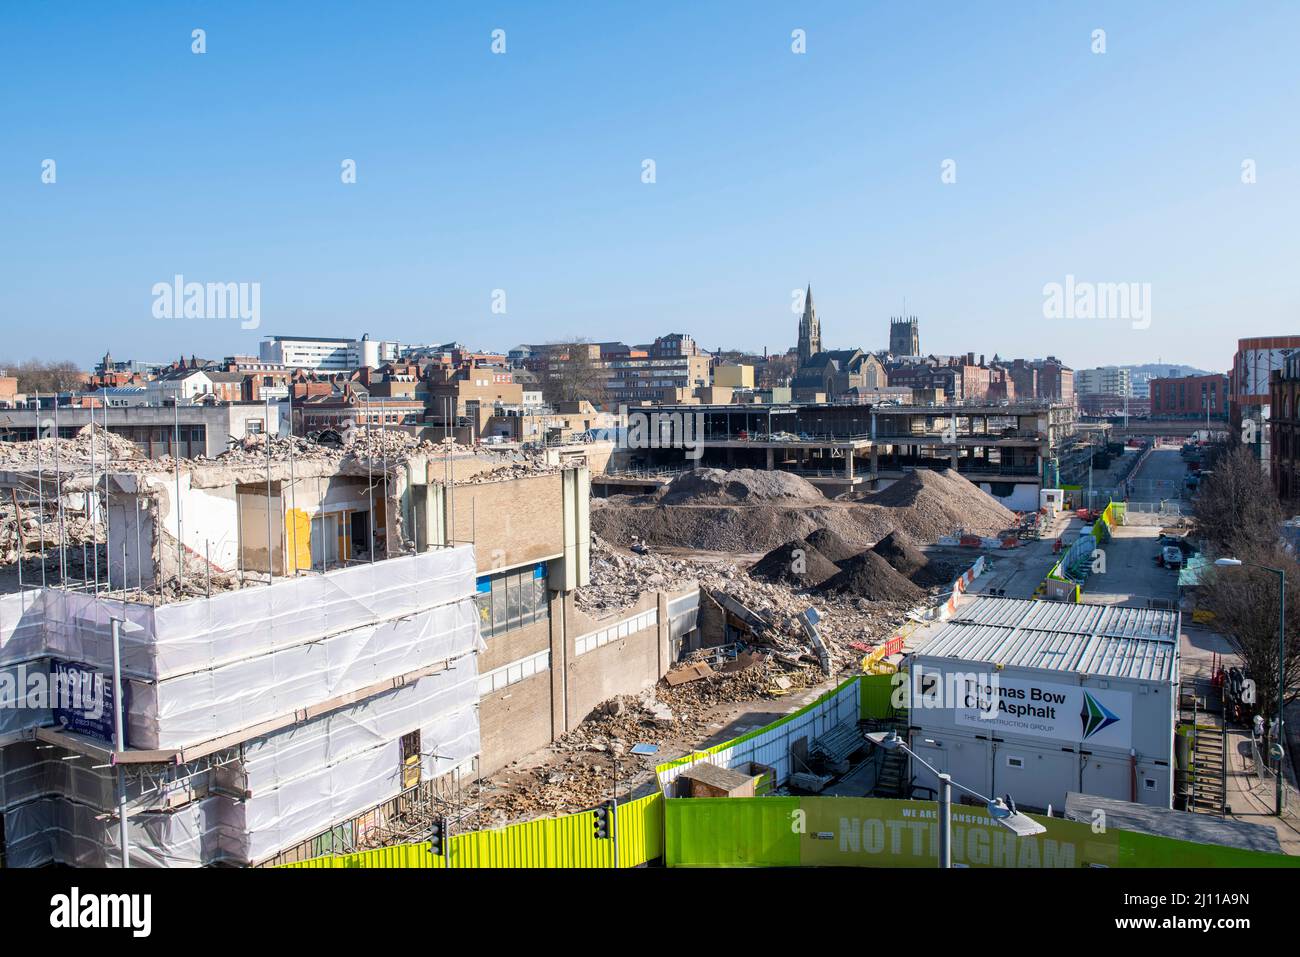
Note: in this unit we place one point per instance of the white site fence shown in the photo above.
(771, 746)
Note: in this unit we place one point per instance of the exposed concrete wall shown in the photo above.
(523, 717)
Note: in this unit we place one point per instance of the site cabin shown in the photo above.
(1074, 697)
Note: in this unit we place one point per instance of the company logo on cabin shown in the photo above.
(1095, 716)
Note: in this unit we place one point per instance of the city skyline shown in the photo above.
(515, 179)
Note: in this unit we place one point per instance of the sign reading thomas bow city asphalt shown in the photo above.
(1045, 709)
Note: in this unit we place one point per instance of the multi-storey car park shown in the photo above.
(1011, 450)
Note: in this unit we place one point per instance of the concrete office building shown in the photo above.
(1103, 380)
(328, 354)
(189, 430)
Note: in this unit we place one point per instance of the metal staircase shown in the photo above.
(1202, 787)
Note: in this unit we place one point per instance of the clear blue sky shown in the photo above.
(522, 172)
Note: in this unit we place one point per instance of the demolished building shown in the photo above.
(318, 646)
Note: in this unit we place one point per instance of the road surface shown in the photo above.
(1159, 478)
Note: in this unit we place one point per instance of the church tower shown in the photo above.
(810, 330)
(905, 336)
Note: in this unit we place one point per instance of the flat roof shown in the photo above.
(1166, 822)
(1112, 641)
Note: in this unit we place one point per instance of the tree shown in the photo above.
(1244, 601)
(35, 375)
(1236, 509)
(572, 371)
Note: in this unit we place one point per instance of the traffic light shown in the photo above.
(437, 835)
(602, 820)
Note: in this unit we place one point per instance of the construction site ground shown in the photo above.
(568, 777)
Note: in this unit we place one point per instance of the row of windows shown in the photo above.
(630, 626)
(513, 673)
(512, 600)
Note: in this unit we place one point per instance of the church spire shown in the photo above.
(810, 332)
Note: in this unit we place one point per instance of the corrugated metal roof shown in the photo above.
(1109, 640)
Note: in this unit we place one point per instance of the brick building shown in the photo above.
(1190, 396)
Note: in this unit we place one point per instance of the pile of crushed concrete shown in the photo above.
(894, 570)
(745, 511)
(797, 563)
(739, 487)
(375, 449)
(91, 444)
(738, 530)
(930, 504)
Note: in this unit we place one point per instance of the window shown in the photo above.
(1014, 762)
(511, 600)
(1149, 784)
(410, 768)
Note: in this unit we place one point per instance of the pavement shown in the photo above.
(1252, 800)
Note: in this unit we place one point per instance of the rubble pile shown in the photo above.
(23, 533)
(870, 576)
(797, 563)
(684, 708)
(909, 561)
(374, 448)
(739, 529)
(931, 504)
(831, 545)
(74, 453)
(743, 511)
(619, 580)
(738, 487)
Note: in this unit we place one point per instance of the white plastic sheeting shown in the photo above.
(22, 631)
(300, 781)
(206, 633)
(62, 831)
(207, 704)
(210, 667)
(426, 704)
(205, 668)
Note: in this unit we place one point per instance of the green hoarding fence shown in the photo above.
(731, 832)
(877, 832)
(565, 841)
(877, 699)
(800, 832)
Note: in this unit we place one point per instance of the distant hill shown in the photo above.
(1164, 370)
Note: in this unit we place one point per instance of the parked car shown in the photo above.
(1172, 557)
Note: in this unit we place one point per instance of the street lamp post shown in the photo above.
(119, 627)
(1281, 660)
(1002, 811)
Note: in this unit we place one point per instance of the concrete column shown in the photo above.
(665, 653)
(561, 605)
(875, 462)
(771, 453)
(848, 464)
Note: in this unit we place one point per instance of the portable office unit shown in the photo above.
(1037, 699)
